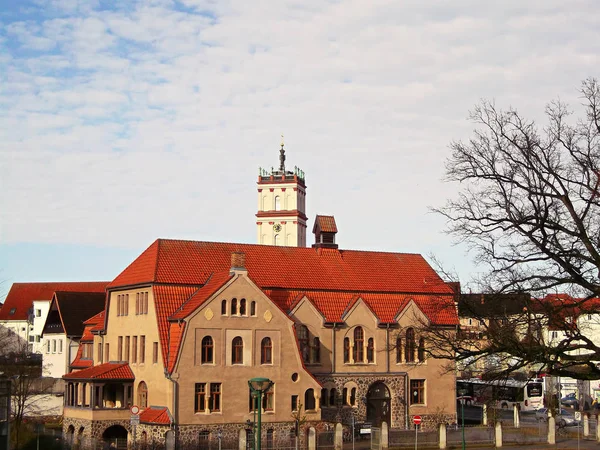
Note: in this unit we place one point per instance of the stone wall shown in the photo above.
(344, 414)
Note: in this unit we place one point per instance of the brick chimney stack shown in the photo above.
(238, 261)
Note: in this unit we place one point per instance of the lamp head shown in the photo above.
(259, 384)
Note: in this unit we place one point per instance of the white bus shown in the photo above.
(528, 395)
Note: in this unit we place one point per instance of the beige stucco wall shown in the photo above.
(440, 380)
(269, 321)
(160, 389)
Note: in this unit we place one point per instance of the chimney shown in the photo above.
(238, 262)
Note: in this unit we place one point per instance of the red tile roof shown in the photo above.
(79, 362)
(180, 268)
(191, 263)
(106, 371)
(440, 309)
(158, 415)
(167, 300)
(21, 295)
(213, 285)
(325, 223)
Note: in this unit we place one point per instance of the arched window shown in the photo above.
(345, 396)
(266, 351)
(309, 399)
(237, 350)
(252, 308)
(359, 338)
(234, 307)
(409, 352)
(276, 239)
(207, 350)
(398, 350)
(277, 203)
(346, 350)
(303, 342)
(332, 396)
(370, 350)
(142, 395)
(316, 350)
(224, 307)
(324, 397)
(421, 350)
(243, 307)
(353, 396)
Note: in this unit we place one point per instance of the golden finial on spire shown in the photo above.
(282, 140)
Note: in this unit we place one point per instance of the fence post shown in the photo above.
(516, 417)
(551, 430)
(242, 439)
(485, 418)
(586, 424)
(442, 436)
(498, 434)
(338, 443)
(384, 435)
(312, 439)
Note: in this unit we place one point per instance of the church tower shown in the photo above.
(281, 218)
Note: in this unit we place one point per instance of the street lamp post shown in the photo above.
(462, 393)
(259, 386)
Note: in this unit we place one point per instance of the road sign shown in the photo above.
(134, 420)
(417, 420)
(577, 415)
(135, 410)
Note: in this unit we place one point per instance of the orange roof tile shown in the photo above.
(21, 295)
(440, 309)
(167, 300)
(191, 263)
(326, 224)
(156, 415)
(214, 283)
(106, 371)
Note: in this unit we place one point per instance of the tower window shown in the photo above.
(276, 240)
(277, 203)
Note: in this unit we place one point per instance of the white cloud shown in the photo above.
(118, 126)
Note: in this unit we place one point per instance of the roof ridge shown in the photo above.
(156, 263)
(161, 240)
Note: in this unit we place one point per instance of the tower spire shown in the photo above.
(282, 157)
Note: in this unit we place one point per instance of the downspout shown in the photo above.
(406, 397)
(387, 346)
(333, 348)
(175, 424)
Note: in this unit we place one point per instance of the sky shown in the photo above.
(122, 124)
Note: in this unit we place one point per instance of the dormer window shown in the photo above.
(12, 311)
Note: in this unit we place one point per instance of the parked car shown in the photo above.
(570, 400)
(564, 418)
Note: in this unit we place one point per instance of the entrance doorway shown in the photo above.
(116, 435)
(378, 404)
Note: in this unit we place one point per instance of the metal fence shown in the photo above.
(473, 435)
(406, 438)
(528, 434)
(325, 440)
(375, 438)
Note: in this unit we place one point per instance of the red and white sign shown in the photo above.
(417, 420)
(135, 410)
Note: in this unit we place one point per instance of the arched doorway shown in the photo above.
(116, 434)
(69, 436)
(379, 404)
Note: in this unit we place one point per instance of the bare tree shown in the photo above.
(529, 209)
(30, 391)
